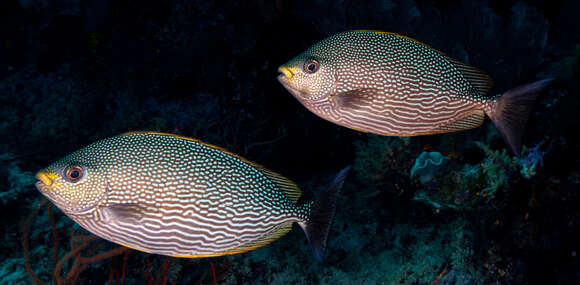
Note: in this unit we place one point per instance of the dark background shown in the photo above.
(73, 71)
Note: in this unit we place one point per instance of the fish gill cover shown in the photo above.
(73, 72)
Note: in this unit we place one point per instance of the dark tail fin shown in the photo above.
(317, 225)
(512, 110)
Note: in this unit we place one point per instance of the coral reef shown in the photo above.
(427, 165)
(467, 212)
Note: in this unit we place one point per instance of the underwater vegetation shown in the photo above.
(457, 208)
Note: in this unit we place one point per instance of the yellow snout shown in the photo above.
(46, 178)
(288, 71)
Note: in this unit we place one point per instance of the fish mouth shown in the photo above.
(45, 178)
(45, 185)
(293, 90)
(287, 72)
(285, 78)
(301, 95)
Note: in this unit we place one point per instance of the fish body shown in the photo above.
(392, 85)
(177, 196)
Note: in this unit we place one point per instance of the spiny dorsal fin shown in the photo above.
(479, 79)
(289, 188)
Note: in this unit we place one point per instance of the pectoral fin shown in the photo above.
(126, 213)
(354, 99)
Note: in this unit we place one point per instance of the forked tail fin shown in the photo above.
(317, 224)
(512, 109)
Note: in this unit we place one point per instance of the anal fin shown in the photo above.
(266, 239)
(262, 241)
(472, 120)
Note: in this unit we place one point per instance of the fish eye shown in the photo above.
(311, 66)
(74, 173)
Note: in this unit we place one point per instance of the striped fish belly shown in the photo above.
(182, 198)
(410, 115)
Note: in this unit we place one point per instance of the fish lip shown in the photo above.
(43, 186)
(45, 190)
(286, 72)
(43, 177)
(284, 81)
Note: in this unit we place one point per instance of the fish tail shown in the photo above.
(317, 224)
(511, 110)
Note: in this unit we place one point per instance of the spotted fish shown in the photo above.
(176, 196)
(392, 85)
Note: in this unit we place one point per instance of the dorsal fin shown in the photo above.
(289, 188)
(479, 79)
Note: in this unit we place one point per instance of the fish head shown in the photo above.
(75, 184)
(311, 76)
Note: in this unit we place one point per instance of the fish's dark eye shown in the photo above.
(74, 173)
(311, 66)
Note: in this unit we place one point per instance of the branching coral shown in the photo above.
(78, 245)
(531, 158)
(498, 169)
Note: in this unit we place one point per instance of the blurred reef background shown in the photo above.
(447, 209)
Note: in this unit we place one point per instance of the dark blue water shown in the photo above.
(467, 212)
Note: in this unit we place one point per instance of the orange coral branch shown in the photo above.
(78, 243)
(438, 278)
(55, 236)
(25, 224)
(104, 255)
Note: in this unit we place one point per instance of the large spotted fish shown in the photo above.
(177, 196)
(392, 85)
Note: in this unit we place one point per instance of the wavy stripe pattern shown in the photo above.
(172, 196)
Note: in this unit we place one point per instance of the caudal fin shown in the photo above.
(512, 110)
(317, 225)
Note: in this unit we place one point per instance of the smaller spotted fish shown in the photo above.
(392, 85)
(177, 196)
